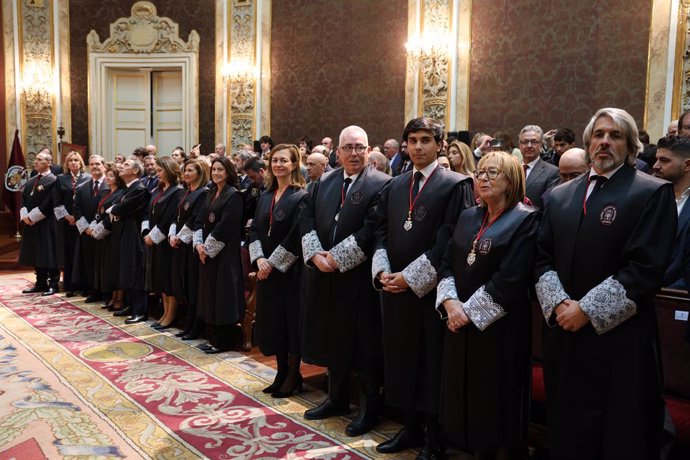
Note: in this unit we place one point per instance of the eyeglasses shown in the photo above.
(530, 142)
(491, 173)
(282, 161)
(349, 148)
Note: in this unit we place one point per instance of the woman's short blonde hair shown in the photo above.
(514, 173)
(65, 164)
(467, 166)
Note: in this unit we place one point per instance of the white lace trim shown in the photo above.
(310, 245)
(185, 234)
(607, 305)
(82, 224)
(212, 246)
(420, 275)
(99, 231)
(445, 290)
(172, 231)
(550, 293)
(198, 237)
(23, 212)
(255, 251)
(36, 215)
(60, 212)
(347, 254)
(282, 259)
(156, 235)
(145, 226)
(380, 263)
(482, 310)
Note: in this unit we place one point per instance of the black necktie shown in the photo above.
(95, 187)
(346, 186)
(415, 187)
(598, 183)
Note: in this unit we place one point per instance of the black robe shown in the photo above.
(412, 330)
(107, 258)
(38, 245)
(185, 262)
(485, 379)
(342, 315)
(127, 215)
(278, 299)
(64, 192)
(221, 284)
(84, 212)
(603, 392)
(160, 215)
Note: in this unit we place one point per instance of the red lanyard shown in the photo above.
(270, 211)
(483, 229)
(181, 205)
(584, 200)
(158, 197)
(105, 198)
(74, 185)
(38, 179)
(412, 203)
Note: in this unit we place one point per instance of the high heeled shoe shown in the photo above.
(277, 383)
(297, 388)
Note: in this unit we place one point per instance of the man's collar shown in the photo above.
(607, 175)
(533, 163)
(133, 181)
(427, 170)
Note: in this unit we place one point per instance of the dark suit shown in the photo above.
(332, 159)
(678, 272)
(150, 182)
(396, 164)
(84, 211)
(542, 177)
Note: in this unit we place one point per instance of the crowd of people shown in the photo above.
(413, 266)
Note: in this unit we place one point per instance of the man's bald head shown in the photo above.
(573, 163)
(316, 165)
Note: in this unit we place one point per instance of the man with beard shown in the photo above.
(603, 247)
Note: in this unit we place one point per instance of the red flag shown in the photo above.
(14, 179)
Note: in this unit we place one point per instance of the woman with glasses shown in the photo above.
(275, 249)
(484, 295)
(216, 240)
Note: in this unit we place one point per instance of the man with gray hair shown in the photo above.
(604, 243)
(219, 150)
(379, 161)
(540, 175)
(391, 148)
(342, 316)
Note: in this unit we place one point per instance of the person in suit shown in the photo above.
(331, 153)
(56, 169)
(37, 247)
(391, 148)
(603, 247)
(342, 316)
(316, 166)
(150, 179)
(673, 165)
(540, 175)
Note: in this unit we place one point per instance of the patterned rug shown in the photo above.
(74, 381)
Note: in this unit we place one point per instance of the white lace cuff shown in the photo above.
(550, 293)
(185, 234)
(36, 215)
(380, 263)
(420, 275)
(212, 246)
(99, 231)
(281, 258)
(82, 224)
(255, 251)
(198, 237)
(172, 231)
(445, 290)
(607, 306)
(109, 210)
(310, 246)
(482, 310)
(60, 212)
(23, 212)
(347, 254)
(156, 235)
(145, 226)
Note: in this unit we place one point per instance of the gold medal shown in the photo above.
(408, 223)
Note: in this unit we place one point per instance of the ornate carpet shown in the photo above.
(76, 382)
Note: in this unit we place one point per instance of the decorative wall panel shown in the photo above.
(334, 64)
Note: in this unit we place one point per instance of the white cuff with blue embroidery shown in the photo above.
(198, 237)
(212, 246)
(255, 251)
(172, 231)
(60, 212)
(445, 290)
(347, 254)
(282, 259)
(145, 226)
(420, 275)
(607, 305)
(23, 212)
(380, 263)
(481, 309)
(36, 215)
(185, 235)
(310, 246)
(82, 224)
(156, 235)
(99, 231)
(550, 293)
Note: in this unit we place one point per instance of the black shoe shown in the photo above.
(51, 290)
(126, 311)
(214, 350)
(326, 409)
(204, 346)
(277, 383)
(189, 337)
(365, 421)
(135, 319)
(296, 388)
(34, 290)
(107, 306)
(402, 440)
(92, 298)
(180, 334)
(155, 325)
(70, 294)
(432, 452)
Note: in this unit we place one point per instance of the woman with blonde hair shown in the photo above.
(461, 158)
(275, 250)
(66, 233)
(484, 296)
